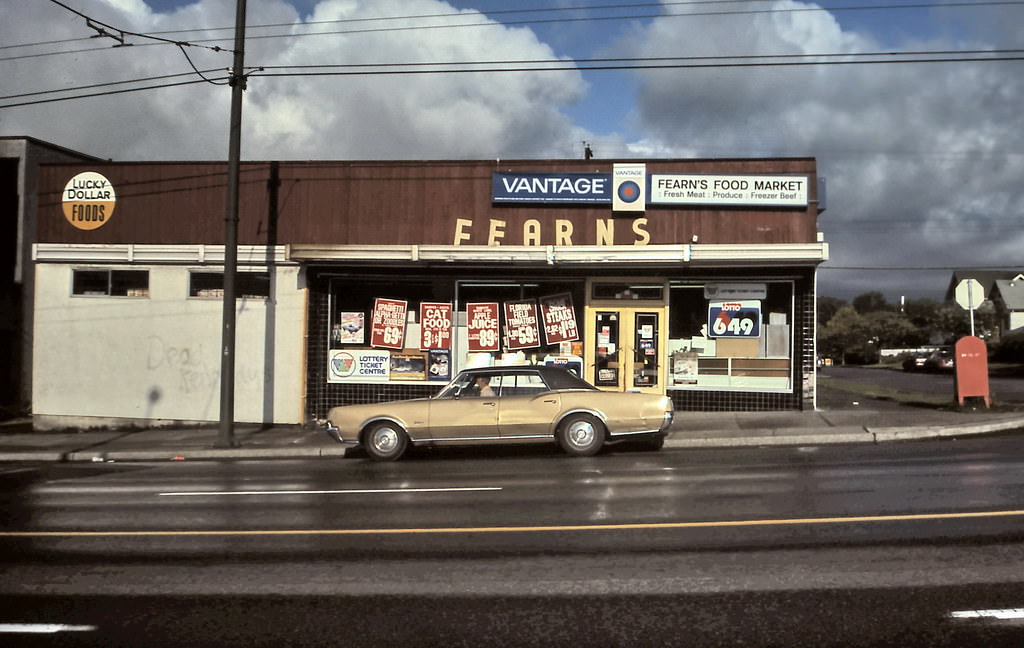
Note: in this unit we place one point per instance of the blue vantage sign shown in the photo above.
(551, 188)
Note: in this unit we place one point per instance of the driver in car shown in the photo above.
(483, 386)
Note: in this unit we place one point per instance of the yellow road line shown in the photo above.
(519, 529)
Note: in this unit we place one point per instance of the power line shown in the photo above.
(462, 14)
(636, 17)
(694, 62)
(637, 66)
(423, 16)
(556, 65)
(102, 94)
(538, 21)
(377, 71)
(102, 85)
(102, 27)
(761, 58)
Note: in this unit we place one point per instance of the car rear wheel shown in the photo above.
(385, 442)
(581, 435)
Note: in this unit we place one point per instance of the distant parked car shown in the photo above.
(937, 360)
(915, 362)
(940, 360)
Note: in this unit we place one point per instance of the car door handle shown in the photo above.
(491, 403)
(550, 400)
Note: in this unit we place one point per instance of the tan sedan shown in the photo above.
(505, 405)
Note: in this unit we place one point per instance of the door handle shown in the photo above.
(491, 403)
(552, 400)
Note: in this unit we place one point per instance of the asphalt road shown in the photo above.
(907, 544)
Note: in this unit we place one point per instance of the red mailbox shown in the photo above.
(971, 369)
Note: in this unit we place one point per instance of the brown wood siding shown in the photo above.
(388, 203)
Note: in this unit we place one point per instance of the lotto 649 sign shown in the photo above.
(734, 319)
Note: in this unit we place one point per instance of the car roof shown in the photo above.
(543, 369)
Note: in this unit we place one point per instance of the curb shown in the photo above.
(204, 454)
(33, 455)
(883, 434)
(778, 437)
(775, 440)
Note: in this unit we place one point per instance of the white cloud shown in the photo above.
(934, 149)
(331, 117)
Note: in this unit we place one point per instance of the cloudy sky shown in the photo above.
(924, 160)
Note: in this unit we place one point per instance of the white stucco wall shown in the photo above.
(157, 358)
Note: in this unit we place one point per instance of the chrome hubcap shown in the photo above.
(385, 440)
(581, 433)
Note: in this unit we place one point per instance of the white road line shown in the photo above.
(1002, 615)
(43, 628)
(356, 491)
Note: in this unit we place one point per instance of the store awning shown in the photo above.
(248, 255)
(696, 255)
(527, 255)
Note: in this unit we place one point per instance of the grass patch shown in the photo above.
(877, 392)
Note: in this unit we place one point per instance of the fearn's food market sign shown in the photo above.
(764, 191)
(660, 189)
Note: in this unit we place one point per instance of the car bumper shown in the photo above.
(666, 424)
(333, 432)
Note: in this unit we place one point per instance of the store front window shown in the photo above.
(731, 336)
(537, 323)
(425, 330)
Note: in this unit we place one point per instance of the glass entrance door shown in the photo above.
(625, 349)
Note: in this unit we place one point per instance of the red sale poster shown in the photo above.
(559, 319)
(387, 330)
(482, 321)
(435, 326)
(521, 329)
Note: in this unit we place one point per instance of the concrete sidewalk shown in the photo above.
(866, 424)
(854, 425)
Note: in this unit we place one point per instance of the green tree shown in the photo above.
(922, 313)
(827, 308)
(893, 329)
(946, 323)
(846, 336)
(871, 302)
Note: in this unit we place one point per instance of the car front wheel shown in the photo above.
(581, 435)
(385, 442)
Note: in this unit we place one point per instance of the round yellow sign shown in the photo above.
(88, 200)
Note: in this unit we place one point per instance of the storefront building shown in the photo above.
(369, 281)
(20, 158)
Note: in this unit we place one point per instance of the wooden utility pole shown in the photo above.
(226, 434)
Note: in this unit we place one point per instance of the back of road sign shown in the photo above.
(971, 369)
(969, 294)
